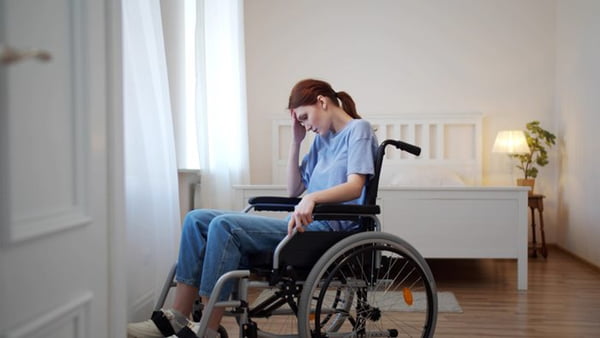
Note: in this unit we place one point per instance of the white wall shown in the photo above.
(495, 56)
(578, 105)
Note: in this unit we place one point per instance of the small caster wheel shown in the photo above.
(222, 332)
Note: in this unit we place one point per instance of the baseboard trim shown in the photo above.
(576, 256)
(142, 307)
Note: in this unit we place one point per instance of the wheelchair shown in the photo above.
(330, 284)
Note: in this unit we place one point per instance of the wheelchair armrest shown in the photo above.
(273, 203)
(347, 209)
(276, 203)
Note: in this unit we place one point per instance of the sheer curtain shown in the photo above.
(152, 207)
(221, 100)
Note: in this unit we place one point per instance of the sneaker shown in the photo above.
(145, 329)
(148, 329)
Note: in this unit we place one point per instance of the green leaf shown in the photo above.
(537, 139)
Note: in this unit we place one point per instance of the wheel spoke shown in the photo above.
(377, 275)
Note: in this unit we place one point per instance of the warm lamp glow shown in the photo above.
(511, 142)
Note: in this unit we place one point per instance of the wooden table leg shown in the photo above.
(534, 250)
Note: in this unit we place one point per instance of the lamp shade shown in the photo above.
(511, 142)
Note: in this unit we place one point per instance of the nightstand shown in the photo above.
(536, 202)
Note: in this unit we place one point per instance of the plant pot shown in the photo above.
(527, 182)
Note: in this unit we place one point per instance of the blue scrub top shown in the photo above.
(334, 156)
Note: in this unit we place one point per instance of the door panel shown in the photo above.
(54, 259)
(46, 105)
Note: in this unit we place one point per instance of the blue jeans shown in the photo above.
(215, 242)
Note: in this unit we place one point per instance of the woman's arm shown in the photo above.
(340, 193)
(348, 191)
(295, 187)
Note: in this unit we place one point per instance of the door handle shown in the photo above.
(9, 55)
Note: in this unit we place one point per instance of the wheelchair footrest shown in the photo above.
(164, 326)
(162, 323)
(186, 332)
(249, 330)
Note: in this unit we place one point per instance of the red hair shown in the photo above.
(305, 93)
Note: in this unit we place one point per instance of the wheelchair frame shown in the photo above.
(359, 213)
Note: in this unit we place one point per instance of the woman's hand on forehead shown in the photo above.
(296, 117)
(298, 130)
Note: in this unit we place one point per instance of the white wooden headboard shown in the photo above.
(450, 141)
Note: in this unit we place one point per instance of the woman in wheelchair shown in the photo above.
(336, 169)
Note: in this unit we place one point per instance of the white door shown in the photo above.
(55, 192)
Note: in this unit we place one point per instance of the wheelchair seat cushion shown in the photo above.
(302, 251)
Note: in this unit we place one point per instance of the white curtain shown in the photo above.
(221, 100)
(152, 207)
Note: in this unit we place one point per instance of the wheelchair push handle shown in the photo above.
(404, 146)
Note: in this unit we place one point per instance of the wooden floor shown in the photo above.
(563, 299)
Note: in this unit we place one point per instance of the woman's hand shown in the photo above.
(298, 130)
(302, 215)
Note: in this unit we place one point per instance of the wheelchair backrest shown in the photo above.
(373, 184)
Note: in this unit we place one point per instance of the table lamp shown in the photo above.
(511, 142)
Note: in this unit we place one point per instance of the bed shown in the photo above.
(436, 201)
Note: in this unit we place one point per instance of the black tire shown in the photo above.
(369, 265)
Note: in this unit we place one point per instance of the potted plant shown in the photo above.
(537, 139)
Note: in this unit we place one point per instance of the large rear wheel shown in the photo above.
(369, 285)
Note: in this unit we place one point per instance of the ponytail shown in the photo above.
(348, 104)
(306, 92)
